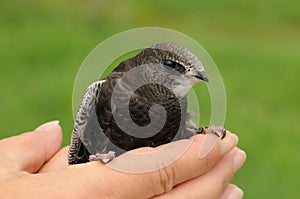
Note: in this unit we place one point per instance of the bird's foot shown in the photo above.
(219, 131)
(103, 157)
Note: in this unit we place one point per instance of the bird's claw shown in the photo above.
(104, 158)
(213, 129)
(224, 131)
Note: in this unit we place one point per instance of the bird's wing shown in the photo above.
(87, 136)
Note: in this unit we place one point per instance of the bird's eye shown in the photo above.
(178, 67)
(169, 63)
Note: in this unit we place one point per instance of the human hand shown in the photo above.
(32, 166)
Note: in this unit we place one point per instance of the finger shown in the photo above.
(147, 185)
(212, 183)
(232, 192)
(58, 162)
(29, 151)
(190, 165)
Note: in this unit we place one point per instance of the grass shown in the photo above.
(255, 44)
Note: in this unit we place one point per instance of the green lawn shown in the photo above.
(255, 44)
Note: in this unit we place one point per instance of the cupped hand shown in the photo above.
(32, 165)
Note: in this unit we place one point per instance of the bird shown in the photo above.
(141, 103)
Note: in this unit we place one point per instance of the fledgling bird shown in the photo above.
(165, 74)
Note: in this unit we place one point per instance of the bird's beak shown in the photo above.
(202, 76)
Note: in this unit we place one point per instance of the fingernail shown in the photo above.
(239, 159)
(235, 193)
(225, 147)
(47, 126)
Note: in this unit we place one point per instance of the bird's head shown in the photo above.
(178, 58)
(181, 67)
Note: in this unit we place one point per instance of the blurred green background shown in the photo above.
(255, 44)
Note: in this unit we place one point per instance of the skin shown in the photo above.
(32, 165)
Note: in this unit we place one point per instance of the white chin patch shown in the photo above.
(183, 87)
(181, 90)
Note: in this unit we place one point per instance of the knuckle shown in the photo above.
(165, 178)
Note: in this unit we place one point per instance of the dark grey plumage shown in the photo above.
(95, 126)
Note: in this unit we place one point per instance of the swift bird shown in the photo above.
(115, 113)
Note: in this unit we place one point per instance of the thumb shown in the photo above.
(29, 151)
(101, 178)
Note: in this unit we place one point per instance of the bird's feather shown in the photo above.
(87, 131)
(96, 130)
